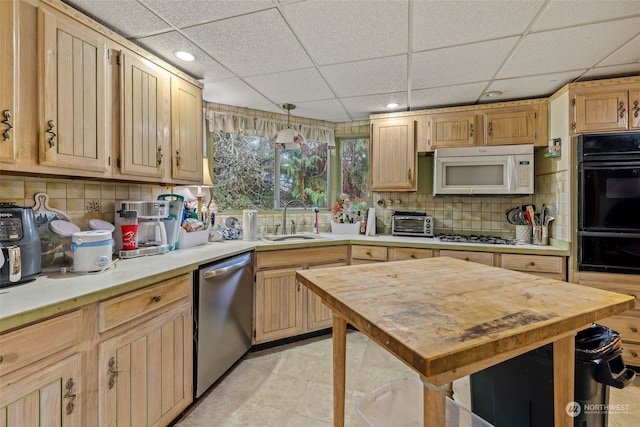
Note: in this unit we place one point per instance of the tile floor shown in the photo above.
(290, 386)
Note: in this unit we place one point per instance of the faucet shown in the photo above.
(284, 214)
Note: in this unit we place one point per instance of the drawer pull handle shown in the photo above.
(467, 259)
(157, 298)
(634, 354)
(70, 395)
(368, 253)
(413, 256)
(634, 329)
(532, 263)
(1, 358)
(111, 371)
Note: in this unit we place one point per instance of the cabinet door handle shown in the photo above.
(178, 157)
(157, 298)
(7, 115)
(636, 108)
(111, 371)
(621, 109)
(50, 131)
(471, 129)
(69, 395)
(409, 174)
(1, 358)
(159, 156)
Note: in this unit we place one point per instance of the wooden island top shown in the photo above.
(447, 318)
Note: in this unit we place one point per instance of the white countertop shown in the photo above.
(54, 293)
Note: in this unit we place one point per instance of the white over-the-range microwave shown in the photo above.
(505, 169)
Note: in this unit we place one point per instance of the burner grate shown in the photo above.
(490, 240)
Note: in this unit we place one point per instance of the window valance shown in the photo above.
(266, 128)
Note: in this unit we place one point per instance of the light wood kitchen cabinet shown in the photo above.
(393, 154)
(606, 108)
(8, 82)
(513, 125)
(41, 376)
(454, 130)
(399, 254)
(53, 396)
(362, 254)
(486, 258)
(627, 324)
(542, 265)
(186, 131)
(145, 355)
(283, 307)
(145, 118)
(73, 119)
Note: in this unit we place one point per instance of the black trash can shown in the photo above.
(519, 391)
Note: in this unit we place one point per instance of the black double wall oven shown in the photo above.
(609, 203)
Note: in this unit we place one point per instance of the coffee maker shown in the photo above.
(146, 217)
(19, 245)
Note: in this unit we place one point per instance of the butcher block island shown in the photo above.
(447, 318)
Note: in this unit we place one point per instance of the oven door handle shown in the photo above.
(619, 234)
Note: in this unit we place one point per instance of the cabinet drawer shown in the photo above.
(397, 254)
(627, 324)
(377, 253)
(533, 263)
(479, 257)
(631, 354)
(119, 310)
(35, 342)
(301, 257)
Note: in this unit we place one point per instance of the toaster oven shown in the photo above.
(411, 224)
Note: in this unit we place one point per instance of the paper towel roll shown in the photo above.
(371, 222)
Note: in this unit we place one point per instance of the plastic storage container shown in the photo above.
(519, 391)
(92, 250)
(399, 404)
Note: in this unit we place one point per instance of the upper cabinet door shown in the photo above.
(393, 155)
(145, 110)
(73, 131)
(600, 111)
(634, 109)
(453, 130)
(512, 126)
(186, 134)
(8, 43)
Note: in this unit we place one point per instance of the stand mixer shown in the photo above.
(151, 235)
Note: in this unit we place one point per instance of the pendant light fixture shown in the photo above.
(288, 138)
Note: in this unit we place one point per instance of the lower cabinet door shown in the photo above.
(145, 373)
(278, 305)
(51, 396)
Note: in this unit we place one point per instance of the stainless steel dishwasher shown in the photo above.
(222, 317)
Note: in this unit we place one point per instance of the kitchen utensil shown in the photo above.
(532, 215)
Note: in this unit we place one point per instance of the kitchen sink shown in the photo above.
(298, 237)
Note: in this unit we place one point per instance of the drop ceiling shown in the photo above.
(341, 60)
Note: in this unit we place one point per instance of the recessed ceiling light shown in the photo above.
(185, 56)
(392, 105)
(493, 94)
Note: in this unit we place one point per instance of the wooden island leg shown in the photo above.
(339, 356)
(434, 404)
(563, 380)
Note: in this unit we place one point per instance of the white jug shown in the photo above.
(250, 224)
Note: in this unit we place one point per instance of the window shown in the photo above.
(355, 172)
(249, 172)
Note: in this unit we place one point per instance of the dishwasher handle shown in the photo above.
(216, 272)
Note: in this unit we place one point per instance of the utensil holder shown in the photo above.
(523, 233)
(540, 235)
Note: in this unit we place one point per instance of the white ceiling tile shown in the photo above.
(252, 44)
(204, 67)
(449, 23)
(126, 17)
(368, 77)
(530, 87)
(232, 92)
(445, 96)
(182, 13)
(329, 110)
(629, 53)
(613, 71)
(566, 13)
(359, 107)
(292, 86)
(569, 49)
(340, 31)
(460, 64)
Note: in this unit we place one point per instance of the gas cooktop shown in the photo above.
(490, 240)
